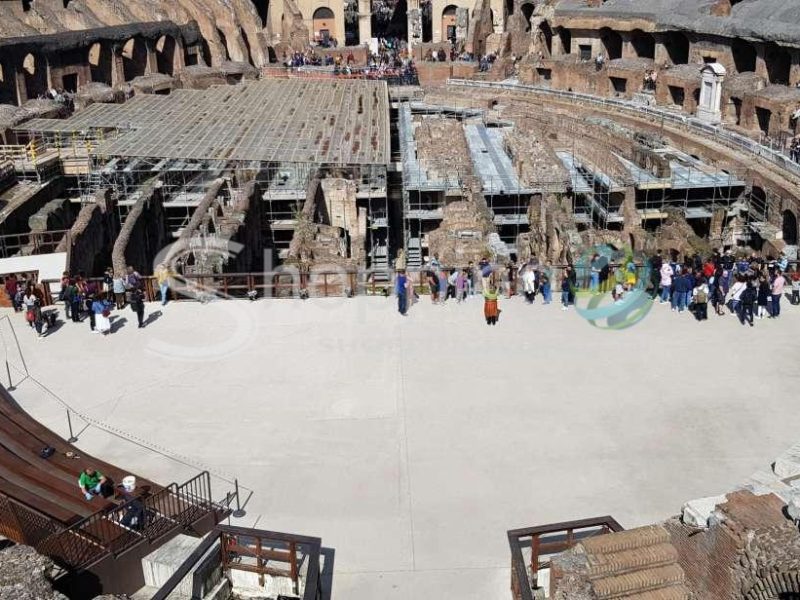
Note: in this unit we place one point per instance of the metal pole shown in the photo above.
(239, 512)
(11, 387)
(72, 439)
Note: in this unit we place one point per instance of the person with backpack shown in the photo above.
(401, 289)
(746, 301)
(491, 311)
(762, 297)
(700, 300)
(656, 262)
(137, 305)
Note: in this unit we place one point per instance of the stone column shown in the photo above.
(628, 50)
(49, 72)
(20, 87)
(761, 61)
(462, 23)
(794, 72)
(117, 66)
(365, 21)
(661, 55)
(179, 58)
(414, 24)
(152, 58)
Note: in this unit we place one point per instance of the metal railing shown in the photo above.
(545, 540)
(24, 524)
(117, 529)
(252, 551)
(717, 132)
(34, 242)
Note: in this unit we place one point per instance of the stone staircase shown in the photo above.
(160, 565)
(638, 564)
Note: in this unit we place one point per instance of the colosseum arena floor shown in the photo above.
(410, 445)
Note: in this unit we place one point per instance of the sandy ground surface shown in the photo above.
(410, 445)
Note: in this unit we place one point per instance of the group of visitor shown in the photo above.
(86, 299)
(749, 287)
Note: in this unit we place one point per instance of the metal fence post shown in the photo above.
(72, 439)
(239, 512)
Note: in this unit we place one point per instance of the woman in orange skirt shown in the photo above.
(490, 308)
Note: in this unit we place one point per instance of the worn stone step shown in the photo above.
(643, 580)
(626, 540)
(624, 561)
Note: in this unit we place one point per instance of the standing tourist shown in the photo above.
(163, 276)
(529, 284)
(594, 273)
(777, 291)
(700, 300)
(747, 298)
(666, 282)
(565, 290)
(763, 297)
(796, 285)
(137, 305)
(400, 288)
(491, 311)
(118, 287)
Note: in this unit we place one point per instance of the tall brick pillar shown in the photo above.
(761, 61)
(117, 66)
(152, 60)
(794, 72)
(628, 50)
(365, 21)
(20, 86)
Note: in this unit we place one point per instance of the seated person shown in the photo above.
(91, 482)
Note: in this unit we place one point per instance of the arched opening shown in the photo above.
(134, 58)
(779, 63)
(527, 12)
(612, 43)
(262, 8)
(390, 20)
(547, 37)
(509, 5)
(677, 45)
(165, 54)
(565, 36)
(427, 21)
(224, 43)
(744, 56)
(324, 26)
(351, 34)
(99, 59)
(205, 51)
(644, 45)
(35, 76)
(449, 23)
(789, 228)
(247, 48)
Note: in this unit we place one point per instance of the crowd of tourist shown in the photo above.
(749, 287)
(85, 299)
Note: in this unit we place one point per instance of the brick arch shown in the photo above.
(134, 57)
(166, 46)
(775, 586)
(790, 233)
